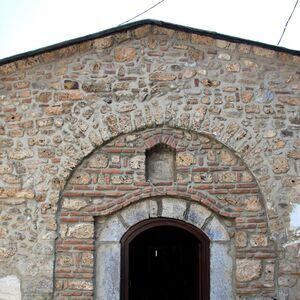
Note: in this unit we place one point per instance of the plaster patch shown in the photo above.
(10, 288)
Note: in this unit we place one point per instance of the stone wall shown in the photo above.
(220, 105)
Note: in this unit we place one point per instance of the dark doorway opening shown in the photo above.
(165, 259)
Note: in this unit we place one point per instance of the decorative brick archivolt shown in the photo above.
(207, 174)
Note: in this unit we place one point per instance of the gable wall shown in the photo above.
(56, 108)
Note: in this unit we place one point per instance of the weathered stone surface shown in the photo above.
(71, 85)
(258, 240)
(104, 42)
(10, 288)
(74, 204)
(98, 161)
(137, 162)
(20, 154)
(7, 252)
(263, 52)
(136, 213)
(233, 67)
(197, 215)
(111, 231)
(216, 231)
(80, 285)
(241, 239)
(252, 203)
(184, 159)
(199, 39)
(280, 165)
(125, 54)
(247, 269)
(221, 272)
(294, 154)
(108, 271)
(81, 231)
(294, 101)
(162, 76)
(173, 208)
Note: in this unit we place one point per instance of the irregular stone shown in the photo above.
(195, 54)
(111, 231)
(294, 101)
(10, 288)
(104, 42)
(233, 67)
(197, 215)
(280, 165)
(221, 272)
(263, 52)
(258, 240)
(121, 179)
(20, 153)
(137, 162)
(241, 239)
(125, 54)
(136, 213)
(7, 252)
(184, 159)
(252, 203)
(97, 86)
(227, 158)
(295, 154)
(224, 56)
(246, 96)
(98, 161)
(80, 285)
(3, 233)
(187, 74)
(74, 204)
(216, 231)
(71, 85)
(65, 260)
(108, 274)
(162, 76)
(81, 231)
(247, 269)
(81, 178)
(200, 39)
(173, 208)
(87, 259)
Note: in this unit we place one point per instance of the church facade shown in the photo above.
(145, 127)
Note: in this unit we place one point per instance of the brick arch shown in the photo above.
(113, 177)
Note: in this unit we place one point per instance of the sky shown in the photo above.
(31, 24)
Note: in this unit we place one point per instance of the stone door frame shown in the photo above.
(203, 252)
(112, 229)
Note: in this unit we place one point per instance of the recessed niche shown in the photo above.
(160, 164)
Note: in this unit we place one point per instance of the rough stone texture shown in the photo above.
(230, 112)
(247, 269)
(221, 272)
(108, 272)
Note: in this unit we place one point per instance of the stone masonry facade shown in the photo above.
(81, 126)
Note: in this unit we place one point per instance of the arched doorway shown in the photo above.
(165, 259)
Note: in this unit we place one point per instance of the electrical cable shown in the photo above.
(142, 12)
(283, 32)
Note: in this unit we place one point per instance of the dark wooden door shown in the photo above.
(165, 259)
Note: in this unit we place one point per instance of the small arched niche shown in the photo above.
(160, 164)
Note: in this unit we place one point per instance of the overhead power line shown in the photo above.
(143, 12)
(283, 32)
